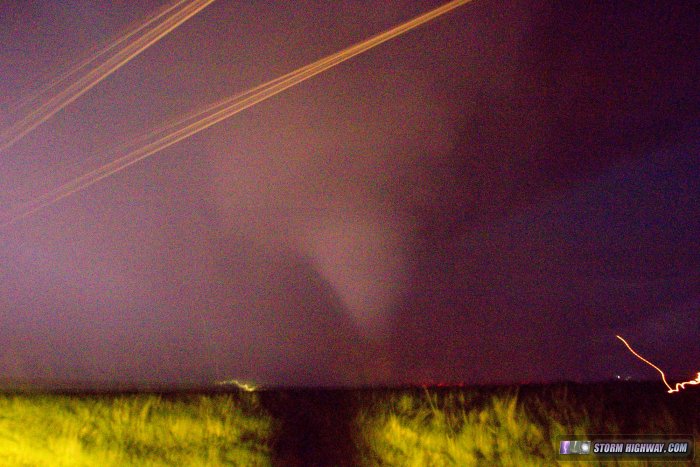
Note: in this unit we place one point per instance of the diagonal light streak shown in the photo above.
(71, 85)
(167, 136)
(45, 89)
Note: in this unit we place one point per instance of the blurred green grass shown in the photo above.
(510, 426)
(138, 430)
(498, 425)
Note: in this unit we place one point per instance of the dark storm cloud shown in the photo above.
(618, 254)
(488, 198)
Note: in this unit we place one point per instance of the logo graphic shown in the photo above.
(574, 447)
(624, 447)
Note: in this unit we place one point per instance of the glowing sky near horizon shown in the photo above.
(491, 197)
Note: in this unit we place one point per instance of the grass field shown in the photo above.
(514, 426)
(138, 430)
(504, 425)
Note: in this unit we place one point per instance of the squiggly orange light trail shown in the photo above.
(671, 390)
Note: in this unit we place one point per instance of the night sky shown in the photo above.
(489, 198)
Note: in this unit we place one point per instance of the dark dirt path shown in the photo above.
(316, 426)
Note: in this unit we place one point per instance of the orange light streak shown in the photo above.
(671, 390)
(168, 135)
(91, 71)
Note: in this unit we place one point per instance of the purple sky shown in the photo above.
(489, 198)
